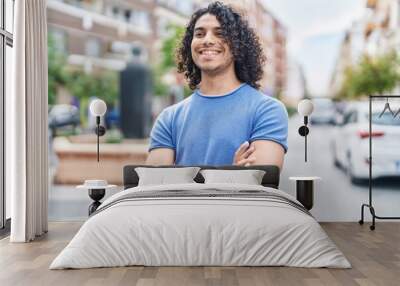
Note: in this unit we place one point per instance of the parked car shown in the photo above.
(324, 111)
(61, 115)
(350, 143)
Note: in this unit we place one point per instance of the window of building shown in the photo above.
(184, 7)
(140, 19)
(59, 38)
(93, 48)
(162, 27)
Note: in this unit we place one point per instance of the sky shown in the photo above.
(315, 30)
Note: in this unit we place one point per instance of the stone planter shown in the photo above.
(78, 161)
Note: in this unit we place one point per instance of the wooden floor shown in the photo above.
(374, 255)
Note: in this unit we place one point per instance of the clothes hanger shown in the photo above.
(387, 106)
(397, 113)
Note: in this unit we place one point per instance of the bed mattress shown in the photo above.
(201, 225)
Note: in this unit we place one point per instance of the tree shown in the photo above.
(169, 46)
(371, 76)
(347, 89)
(103, 85)
(56, 73)
(167, 62)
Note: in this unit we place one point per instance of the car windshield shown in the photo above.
(323, 104)
(386, 119)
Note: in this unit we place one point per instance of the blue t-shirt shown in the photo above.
(207, 130)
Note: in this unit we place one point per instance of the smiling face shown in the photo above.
(210, 51)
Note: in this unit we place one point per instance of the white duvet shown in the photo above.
(200, 231)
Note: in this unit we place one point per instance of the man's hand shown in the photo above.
(268, 153)
(243, 155)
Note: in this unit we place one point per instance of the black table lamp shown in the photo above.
(305, 108)
(98, 108)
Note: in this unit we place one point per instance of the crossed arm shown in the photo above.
(265, 152)
(259, 152)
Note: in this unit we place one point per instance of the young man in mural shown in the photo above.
(226, 120)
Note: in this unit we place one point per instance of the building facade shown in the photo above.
(377, 33)
(273, 37)
(101, 33)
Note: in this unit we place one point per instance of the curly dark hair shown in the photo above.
(245, 46)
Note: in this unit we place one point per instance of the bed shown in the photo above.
(201, 224)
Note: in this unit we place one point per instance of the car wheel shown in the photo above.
(336, 162)
(353, 179)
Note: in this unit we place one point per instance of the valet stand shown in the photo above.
(369, 205)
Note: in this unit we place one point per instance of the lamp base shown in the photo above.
(96, 195)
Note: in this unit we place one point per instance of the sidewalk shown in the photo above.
(67, 203)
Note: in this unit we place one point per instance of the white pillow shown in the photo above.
(163, 176)
(248, 177)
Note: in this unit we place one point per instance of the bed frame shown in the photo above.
(270, 179)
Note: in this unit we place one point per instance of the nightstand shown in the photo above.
(305, 190)
(96, 190)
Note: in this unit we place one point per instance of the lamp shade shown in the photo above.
(98, 107)
(305, 107)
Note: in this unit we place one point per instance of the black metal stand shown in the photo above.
(100, 131)
(303, 131)
(98, 135)
(96, 195)
(305, 193)
(369, 205)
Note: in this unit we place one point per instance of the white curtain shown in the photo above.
(26, 117)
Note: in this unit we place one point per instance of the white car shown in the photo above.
(350, 143)
(324, 111)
